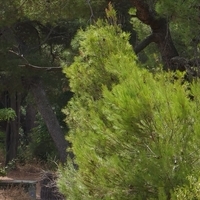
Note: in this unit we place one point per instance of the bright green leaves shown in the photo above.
(190, 191)
(101, 49)
(7, 114)
(111, 14)
(135, 135)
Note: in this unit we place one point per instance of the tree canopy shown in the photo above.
(132, 76)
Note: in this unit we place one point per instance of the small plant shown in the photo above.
(3, 171)
(52, 162)
(11, 165)
(7, 114)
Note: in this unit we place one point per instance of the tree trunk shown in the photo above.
(51, 121)
(12, 130)
(160, 33)
(29, 121)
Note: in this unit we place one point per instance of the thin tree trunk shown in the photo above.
(30, 119)
(49, 117)
(12, 132)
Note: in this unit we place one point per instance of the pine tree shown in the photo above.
(134, 134)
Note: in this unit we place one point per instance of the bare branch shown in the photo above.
(41, 68)
(19, 55)
(27, 64)
(91, 11)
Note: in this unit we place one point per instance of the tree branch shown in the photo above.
(144, 13)
(160, 30)
(144, 43)
(91, 10)
(27, 64)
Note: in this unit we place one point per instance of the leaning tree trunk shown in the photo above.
(160, 34)
(51, 121)
(36, 87)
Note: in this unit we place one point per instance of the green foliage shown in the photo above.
(183, 19)
(96, 50)
(46, 11)
(9, 11)
(9, 167)
(134, 135)
(7, 114)
(2, 171)
(188, 191)
(76, 188)
(42, 146)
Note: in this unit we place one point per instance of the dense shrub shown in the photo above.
(135, 135)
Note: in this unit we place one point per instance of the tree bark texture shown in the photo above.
(160, 33)
(28, 121)
(12, 130)
(49, 117)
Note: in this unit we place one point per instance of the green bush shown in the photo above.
(7, 114)
(2, 171)
(135, 135)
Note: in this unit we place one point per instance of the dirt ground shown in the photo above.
(27, 172)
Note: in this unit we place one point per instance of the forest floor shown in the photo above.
(30, 172)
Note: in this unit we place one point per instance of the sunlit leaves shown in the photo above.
(98, 48)
(137, 130)
(7, 114)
